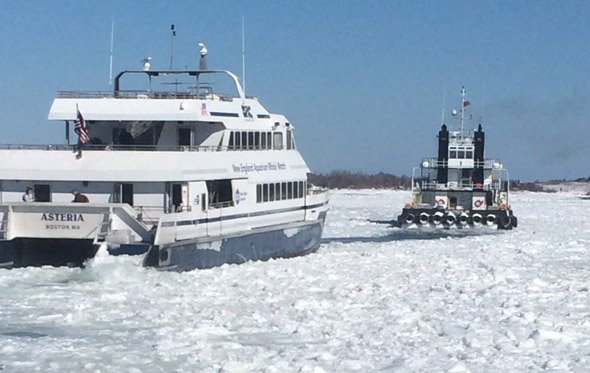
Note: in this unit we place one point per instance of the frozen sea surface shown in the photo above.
(369, 300)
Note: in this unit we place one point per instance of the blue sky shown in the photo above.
(362, 81)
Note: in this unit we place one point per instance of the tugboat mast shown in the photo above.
(462, 110)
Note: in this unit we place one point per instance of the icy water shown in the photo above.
(370, 300)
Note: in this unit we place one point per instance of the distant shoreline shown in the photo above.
(381, 180)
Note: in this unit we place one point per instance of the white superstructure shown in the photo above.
(162, 167)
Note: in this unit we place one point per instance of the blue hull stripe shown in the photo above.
(239, 216)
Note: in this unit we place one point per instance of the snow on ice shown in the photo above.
(371, 299)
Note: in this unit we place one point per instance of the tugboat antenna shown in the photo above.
(442, 119)
(462, 109)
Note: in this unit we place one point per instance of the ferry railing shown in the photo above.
(112, 147)
(146, 95)
(117, 147)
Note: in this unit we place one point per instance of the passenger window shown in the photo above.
(42, 193)
(289, 139)
(237, 139)
(271, 192)
(265, 193)
(250, 140)
(230, 144)
(290, 190)
(263, 140)
(268, 140)
(244, 140)
(258, 193)
(256, 140)
(277, 141)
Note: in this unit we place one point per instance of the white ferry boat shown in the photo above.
(459, 188)
(193, 178)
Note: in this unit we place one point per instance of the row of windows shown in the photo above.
(280, 191)
(254, 140)
(461, 152)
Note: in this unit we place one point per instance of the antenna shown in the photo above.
(111, 56)
(172, 35)
(243, 58)
(483, 90)
(462, 109)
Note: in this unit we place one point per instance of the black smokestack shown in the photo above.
(443, 155)
(478, 155)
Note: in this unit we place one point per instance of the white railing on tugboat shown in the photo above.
(431, 163)
(462, 185)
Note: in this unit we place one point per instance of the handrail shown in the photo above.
(195, 73)
(141, 94)
(112, 147)
(431, 163)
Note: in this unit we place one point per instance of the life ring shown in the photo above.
(478, 203)
(440, 202)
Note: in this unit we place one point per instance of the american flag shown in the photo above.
(81, 129)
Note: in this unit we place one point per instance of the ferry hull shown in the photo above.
(24, 252)
(282, 241)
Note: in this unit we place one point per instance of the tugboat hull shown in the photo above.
(447, 219)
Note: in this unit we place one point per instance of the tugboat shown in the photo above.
(460, 188)
(191, 178)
